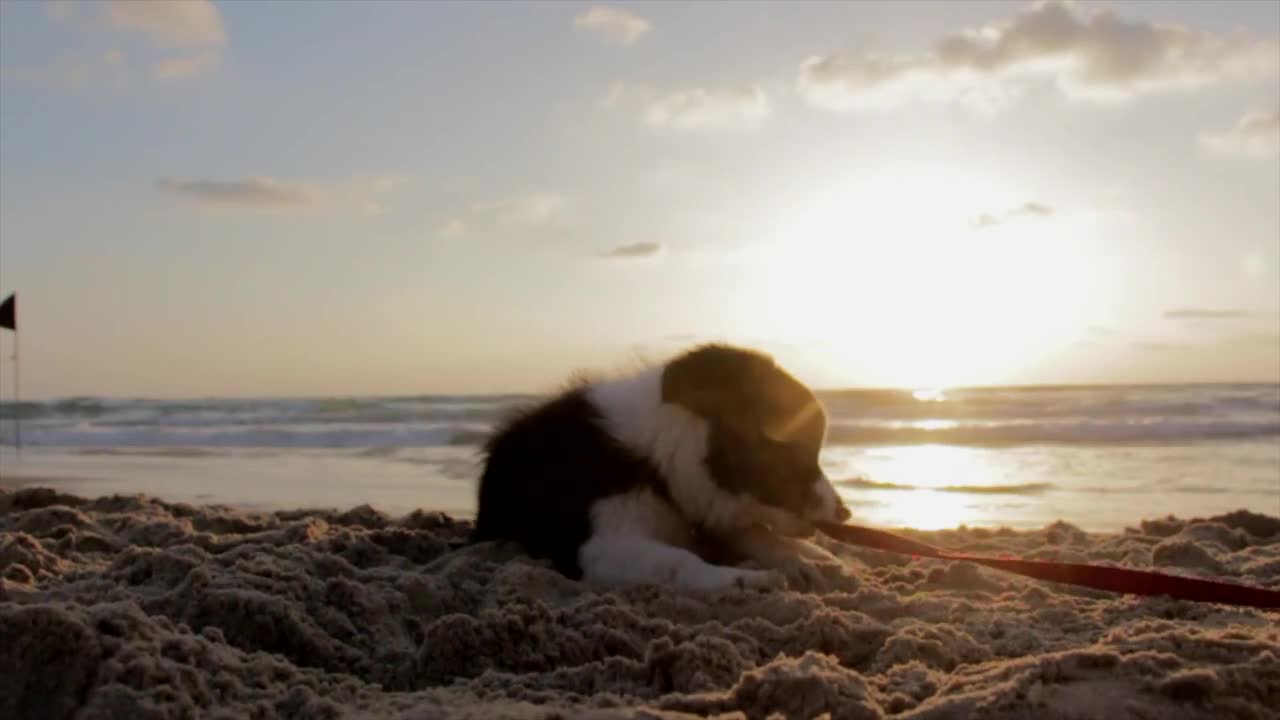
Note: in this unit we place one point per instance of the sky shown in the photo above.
(280, 198)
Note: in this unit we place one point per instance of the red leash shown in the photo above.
(1099, 577)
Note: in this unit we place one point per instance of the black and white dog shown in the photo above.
(650, 477)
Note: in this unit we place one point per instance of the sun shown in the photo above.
(890, 281)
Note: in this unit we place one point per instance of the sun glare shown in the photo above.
(921, 509)
(894, 282)
(922, 487)
(929, 395)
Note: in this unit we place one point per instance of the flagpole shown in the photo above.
(17, 396)
(9, 320)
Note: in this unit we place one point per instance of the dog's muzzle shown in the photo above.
(827, 506)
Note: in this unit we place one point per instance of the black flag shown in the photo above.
(9, 312)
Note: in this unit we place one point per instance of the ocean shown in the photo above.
(1022, 457)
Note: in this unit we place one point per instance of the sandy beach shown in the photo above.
(127, 606)
(294, 296)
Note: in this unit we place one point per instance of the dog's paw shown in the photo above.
(717, 579)
(810, 575)
(761, 580)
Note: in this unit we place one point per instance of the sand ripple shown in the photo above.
(128, 607)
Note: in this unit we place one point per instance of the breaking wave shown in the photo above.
(975, 417)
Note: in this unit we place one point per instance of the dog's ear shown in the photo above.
(715, 382)
(691, 383)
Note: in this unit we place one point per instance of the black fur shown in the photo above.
(766, 427)
(545, 469)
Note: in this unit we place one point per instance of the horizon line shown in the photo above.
(526, 393)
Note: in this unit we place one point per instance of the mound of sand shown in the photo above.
(130, 607)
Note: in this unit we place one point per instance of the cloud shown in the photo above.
(528, 212)
(870, 82)
(1094, 56)
(612, 24)
(535, 209)
(185, 65)
(258, 191)
(189, 31)
(1203, 314)
(359, 193)
(725, 109)
(1256, 134)
(179, 24)
(635, 250)
(734, 109)
(185, 38)
(1027, 209)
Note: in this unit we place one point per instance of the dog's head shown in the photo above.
(765, 430)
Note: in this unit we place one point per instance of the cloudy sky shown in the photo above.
(342, 198)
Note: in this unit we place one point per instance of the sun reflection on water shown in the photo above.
(920, 509)
(930, 395)
(922, 486)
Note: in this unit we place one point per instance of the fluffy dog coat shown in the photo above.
(645, 478)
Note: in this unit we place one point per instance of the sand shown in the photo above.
(129, 607)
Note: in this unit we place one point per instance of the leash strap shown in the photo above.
(1099, 577)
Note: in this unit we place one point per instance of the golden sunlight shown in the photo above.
(900, 275)
(919, 509)
(930, 394)
(922, 487)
